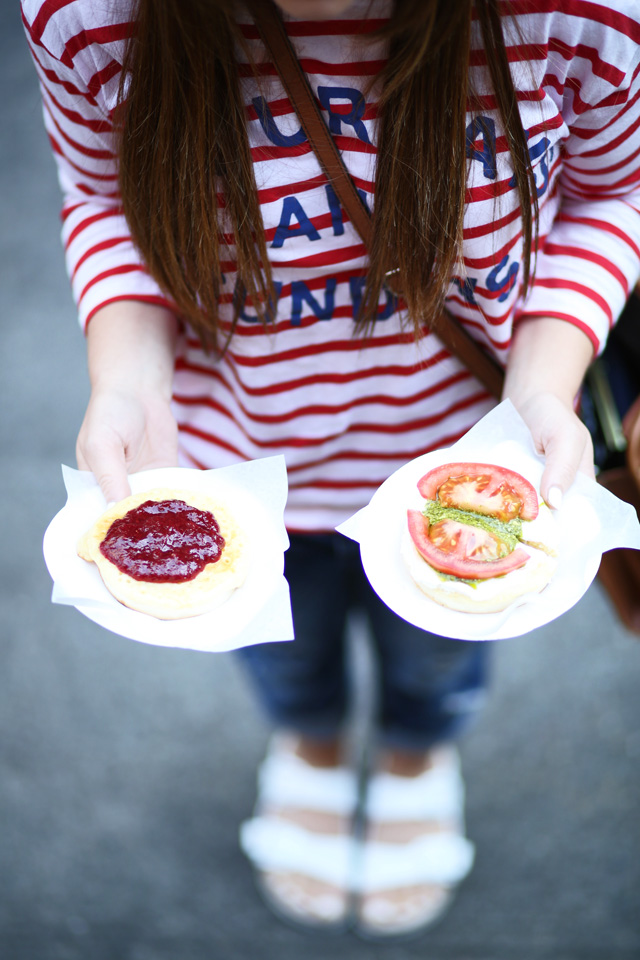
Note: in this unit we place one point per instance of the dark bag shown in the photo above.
(610, 408)
(620, 569)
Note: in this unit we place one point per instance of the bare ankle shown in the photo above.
(406, 763)
(319, 753)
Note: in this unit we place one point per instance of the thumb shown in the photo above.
(566, 454)
(107, 463)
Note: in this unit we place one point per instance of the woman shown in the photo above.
(232, 312)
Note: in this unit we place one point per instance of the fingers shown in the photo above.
(125, 433)
(564, 441)
(106, 460)
(567, 450)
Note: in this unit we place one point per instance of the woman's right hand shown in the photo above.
(128, 425)
(124, 432)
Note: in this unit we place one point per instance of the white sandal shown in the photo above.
(405, 886)
(305, 876)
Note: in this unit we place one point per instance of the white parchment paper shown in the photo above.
(258, 612)
(591, 520)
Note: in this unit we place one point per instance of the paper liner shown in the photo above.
(590, 521)
(258, 612)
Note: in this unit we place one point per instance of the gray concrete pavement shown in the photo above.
(126, 769)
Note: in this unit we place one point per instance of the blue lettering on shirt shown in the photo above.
(291, 207)
(385, 310)
(466, 287)
(485, 128)
(301, 294)
(268, 124)
(506, 284)
(353, 118)
(336, 210)
(241, 306)
(542, 149)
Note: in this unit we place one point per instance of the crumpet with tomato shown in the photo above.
(167, 553)
(482, 540)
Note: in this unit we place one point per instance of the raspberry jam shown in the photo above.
(164, 541)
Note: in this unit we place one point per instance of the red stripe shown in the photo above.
(296, 443)
(582, 9)
(89, 174)
(495, 256)
(602, 171)
(102, 77)
(480, 325)
(80, 147)
(98, 248)
(44, 14)
(138, 297)
(112, 33)
(315, 379)
(271, 152)
(610, 144)
(526, 53)
(326, 259)
(353, 69)
(385, 456)
(311, 350)
(319, 409)
(214, 441)
(271, 194)
(555, 283)
(54, 79)
(282, 108)
(557, 314)
(400, 457)
(556, 250)
(321, 222)
(602, 225)
(113, 272)
(89, 221)
(96, 126)
(596, 190)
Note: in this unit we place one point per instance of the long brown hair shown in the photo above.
(183, 132)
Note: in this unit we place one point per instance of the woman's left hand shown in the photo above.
(548, 360)
(561, 437)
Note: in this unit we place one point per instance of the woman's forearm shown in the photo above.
(128, 425)
(547, 355)
(129, 341)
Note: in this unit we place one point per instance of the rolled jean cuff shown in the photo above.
(444, 729)
(319, 726)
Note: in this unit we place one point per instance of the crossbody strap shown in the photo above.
(273, 33)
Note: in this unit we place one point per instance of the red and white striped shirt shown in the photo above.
(347, 411)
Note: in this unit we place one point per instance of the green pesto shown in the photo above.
(510, 532)
(449, 576)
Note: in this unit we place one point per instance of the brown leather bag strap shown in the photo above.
(271, 28)
(294, 80)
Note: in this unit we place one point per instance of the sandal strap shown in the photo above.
(437, 858)
(277, 845)
(285, 780)
(436, 794)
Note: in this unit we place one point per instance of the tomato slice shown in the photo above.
(454, 560)
(483, 488)
(461, 539)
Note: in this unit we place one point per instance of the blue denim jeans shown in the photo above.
(429, 686)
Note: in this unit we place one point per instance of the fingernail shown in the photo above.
(554, 498)
(111, 503)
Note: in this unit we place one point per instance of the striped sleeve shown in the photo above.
(590, 259)
(79, 75)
